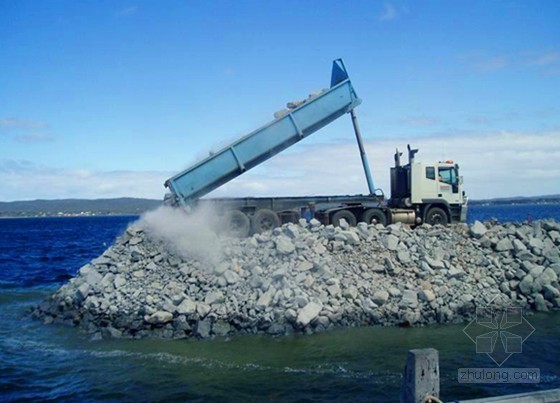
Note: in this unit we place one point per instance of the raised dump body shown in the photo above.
(263, 143)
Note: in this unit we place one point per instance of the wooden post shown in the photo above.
(421, 376)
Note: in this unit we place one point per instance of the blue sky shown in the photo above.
(110, 98)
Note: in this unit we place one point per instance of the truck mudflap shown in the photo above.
(464, 209)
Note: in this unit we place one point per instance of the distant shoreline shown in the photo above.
(72, 216)
(137, 214)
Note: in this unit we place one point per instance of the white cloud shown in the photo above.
(389, 13)
(23, 180)
(547, 63)
(545, 59)
(127, 10)
(483, 62)
(20, 124)
(36, 137)
(494, 164)
(420, 121)
(25, 130)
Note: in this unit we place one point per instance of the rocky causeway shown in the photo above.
(307, 277)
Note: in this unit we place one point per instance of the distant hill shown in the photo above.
(548, 199)
(77, 207)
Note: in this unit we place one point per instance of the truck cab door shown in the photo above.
(448, 185)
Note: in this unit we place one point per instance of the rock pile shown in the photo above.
(308, 277)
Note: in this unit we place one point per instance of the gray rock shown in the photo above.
(391, 242)
(478, 229)
(290, 315)
(139, 273)
(350, 292)
(202, 309)
(221, 268)
(434, 264)
(83, 291)
(265, 299)
(409, 299)
(351, 237)
(536, 271)
(314, 223)
(231, 277)
(276, 329)
(518, 246)
(135, 241)
(203, 328)
(455, 272)
(536, 243)
(394, 292)
(284, 245)
(279, 274)
(220, 328)
(333, 290)
(548, 276)
(427, 295)
(160, 318)
(304, 266)
(308, 313)
(504, 245)
(108, 280)
(403, 256)
(119, 281)
(187, 307)
(540, 303)
(214, 297)
(550, 292)
(380, 297)
(526, 285)
(391, 268)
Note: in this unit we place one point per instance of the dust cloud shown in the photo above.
(191, 235)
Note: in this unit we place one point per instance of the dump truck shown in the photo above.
(420, 193)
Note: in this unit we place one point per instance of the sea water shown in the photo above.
(39, 362)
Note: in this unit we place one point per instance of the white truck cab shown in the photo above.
(433, 191)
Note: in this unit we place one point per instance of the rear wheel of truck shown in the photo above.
(374, 216)
(347, 215)
(264, 220)
(436, 215)
(237, 224)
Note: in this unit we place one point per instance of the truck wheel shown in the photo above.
(343, 214)
(264, 220)
(436, 215)
(374, 216)
(237, 224)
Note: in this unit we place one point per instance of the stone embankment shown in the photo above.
(308, 277)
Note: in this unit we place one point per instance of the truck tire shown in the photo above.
(343, 214)
(436, 215)
(237, 224)
(374, 216)
(264, 220)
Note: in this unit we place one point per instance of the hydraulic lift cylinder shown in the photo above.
(363, 154)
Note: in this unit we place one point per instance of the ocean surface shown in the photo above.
(39, 362)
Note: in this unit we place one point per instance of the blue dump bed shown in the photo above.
(267, 141)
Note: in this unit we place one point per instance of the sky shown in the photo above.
(103, 99)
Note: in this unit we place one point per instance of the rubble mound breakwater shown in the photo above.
(307, 277)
